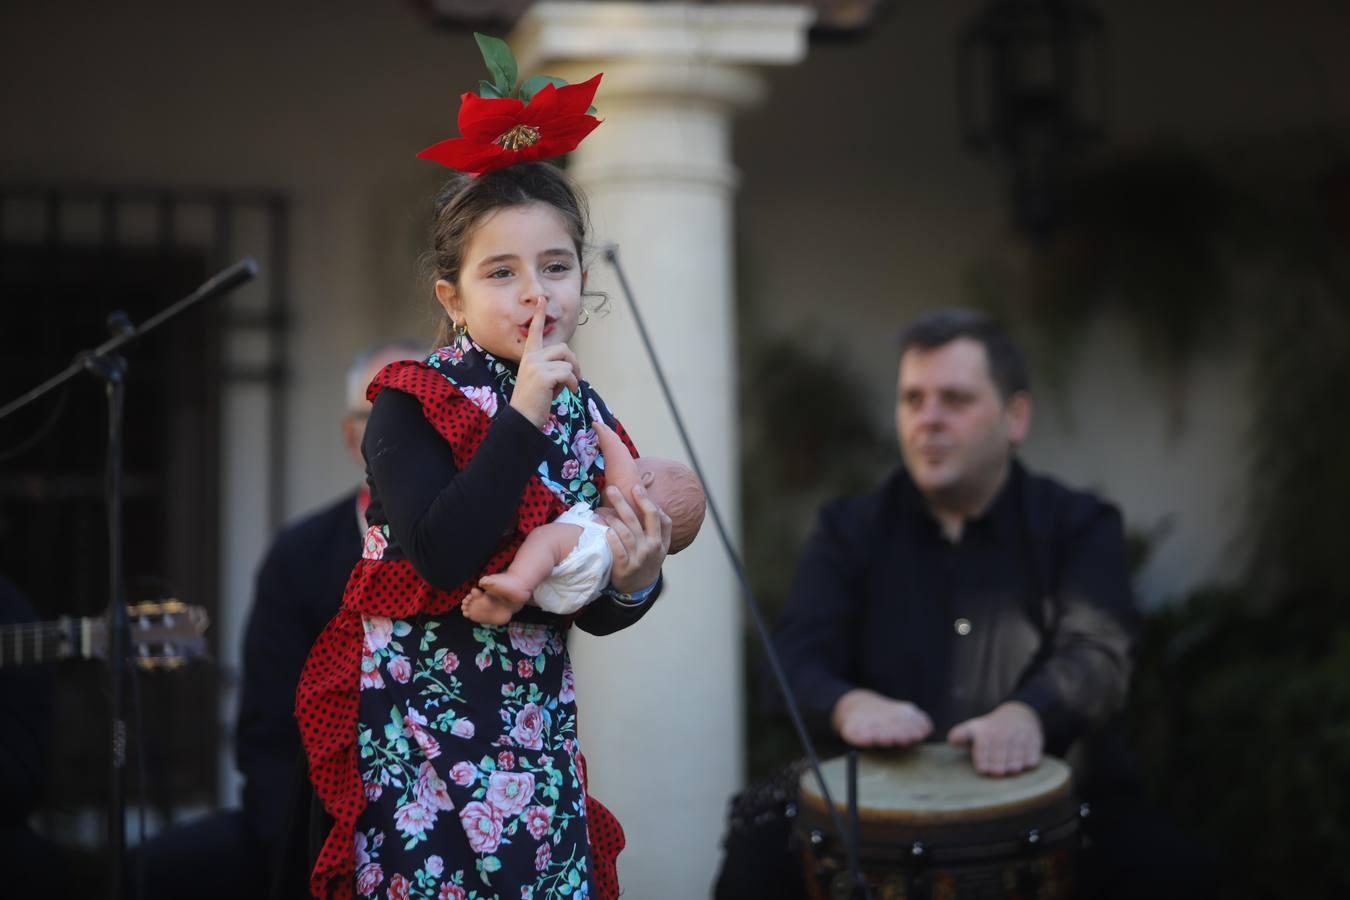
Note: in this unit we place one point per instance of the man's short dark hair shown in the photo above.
(1007, 365)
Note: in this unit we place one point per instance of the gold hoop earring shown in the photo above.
(461, 330)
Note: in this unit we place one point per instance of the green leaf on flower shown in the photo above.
(401, 745)
(539, 663)
(588, 489)
(573, 878)
(489, 91)
(487, 764)
(564, 889)
(534, 85)
(492, 864)
(401, 628)
(501, 63)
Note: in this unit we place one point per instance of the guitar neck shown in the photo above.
(161, 634)
(32, 643)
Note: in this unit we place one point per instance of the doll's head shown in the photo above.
(674, 487)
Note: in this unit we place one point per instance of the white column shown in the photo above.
(661, 704)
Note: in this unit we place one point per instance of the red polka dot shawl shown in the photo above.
(328, 696)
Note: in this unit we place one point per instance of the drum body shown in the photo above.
(929, 826)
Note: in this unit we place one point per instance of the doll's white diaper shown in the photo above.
(579, 578)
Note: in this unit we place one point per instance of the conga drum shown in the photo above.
(930, 826)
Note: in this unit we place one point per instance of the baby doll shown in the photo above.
(565, 564)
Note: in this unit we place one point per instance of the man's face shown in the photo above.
(956, 432)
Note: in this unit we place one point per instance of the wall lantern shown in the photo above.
(1031, 84)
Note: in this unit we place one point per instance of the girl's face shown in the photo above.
(516, 255)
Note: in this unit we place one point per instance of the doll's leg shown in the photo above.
(485, 609)
(543, 549)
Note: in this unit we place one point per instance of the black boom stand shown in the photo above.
(848, 836)
(106, 364)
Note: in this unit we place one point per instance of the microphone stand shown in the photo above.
(849, 837)
(105, 363)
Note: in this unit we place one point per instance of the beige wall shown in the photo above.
(325, 102)
(860, 208)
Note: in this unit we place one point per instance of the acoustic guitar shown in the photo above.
(163, 634)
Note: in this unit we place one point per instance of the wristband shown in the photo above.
(637, 598)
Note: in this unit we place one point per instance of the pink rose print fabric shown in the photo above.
(447, 753)
(463, 804)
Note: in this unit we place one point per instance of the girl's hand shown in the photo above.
(638, 542)
(543, 372)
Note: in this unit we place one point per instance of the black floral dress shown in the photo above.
(446, 751)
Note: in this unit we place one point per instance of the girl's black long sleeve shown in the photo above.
(448, 522)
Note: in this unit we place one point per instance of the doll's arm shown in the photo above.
(621, 470)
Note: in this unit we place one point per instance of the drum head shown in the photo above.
(932, 784)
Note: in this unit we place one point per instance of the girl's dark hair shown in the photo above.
(465, 200)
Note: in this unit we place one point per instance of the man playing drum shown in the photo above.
(967, 599)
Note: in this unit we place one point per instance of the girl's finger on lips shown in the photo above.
(534, 337)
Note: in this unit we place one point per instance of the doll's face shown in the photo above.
(516, 255)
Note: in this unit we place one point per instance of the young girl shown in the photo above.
(446, 752)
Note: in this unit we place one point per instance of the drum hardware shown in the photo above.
(930, 828)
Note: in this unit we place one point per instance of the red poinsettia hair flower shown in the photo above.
(500, 132)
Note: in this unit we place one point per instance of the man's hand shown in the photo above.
(865, 718)
(1003, 742)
